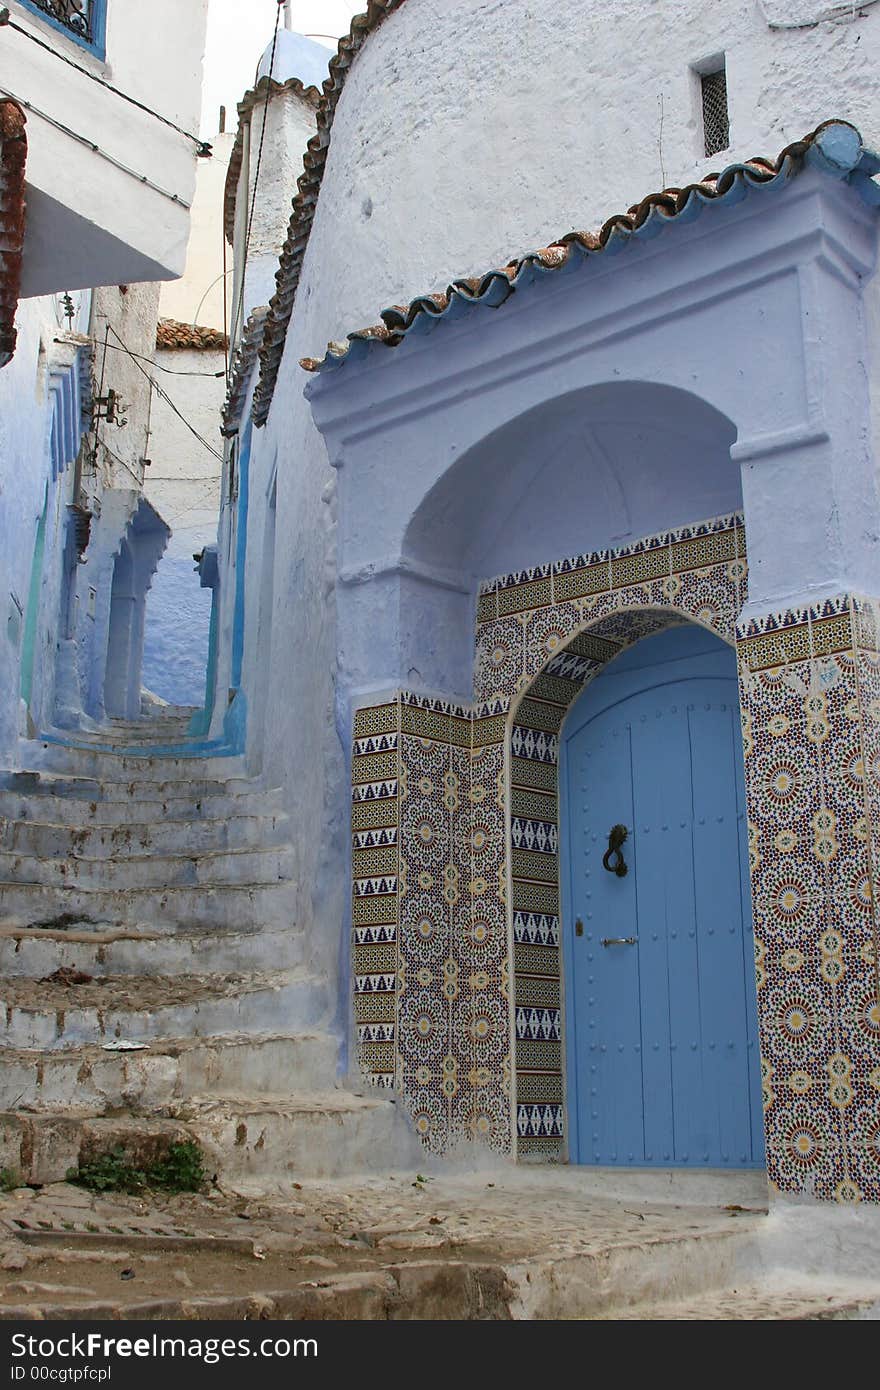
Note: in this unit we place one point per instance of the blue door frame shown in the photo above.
(662, 1052)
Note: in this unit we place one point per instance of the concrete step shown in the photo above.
(120, 742)
(133, 840)
(230, 866)
(135, 791)
(330, 1133)
(34, 952)
(137, 1008)
(90, 1080)
(109, 764)
(43, 1148)
(235, 906)
(157, 710)
(785, 1299)
(118, 729)
(121, 727)
(85, 804)
(325, 1134)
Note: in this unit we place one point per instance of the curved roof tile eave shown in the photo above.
(306, 198)
(252, 98)
(836, 146)
(305, 201)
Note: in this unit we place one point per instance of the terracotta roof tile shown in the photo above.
(834, 145)
(251, 99)
(309, 185)
(172, 336)
(306, 199)
(13, 157)
(242, 365)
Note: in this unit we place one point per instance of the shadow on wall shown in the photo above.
(594, 468)
(177, 633)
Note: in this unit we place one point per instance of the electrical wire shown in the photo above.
(96, 149)
(202, 147)
(127, 466)
(161, 392)
(239, 313)
(169, 371)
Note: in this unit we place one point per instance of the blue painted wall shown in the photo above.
(178, 627)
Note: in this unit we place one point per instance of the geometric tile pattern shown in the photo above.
(458, 978)
(374, 825)
(810, 698)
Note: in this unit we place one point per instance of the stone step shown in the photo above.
(137, 790)
(132, 839)
(159, 710)
(137, 1008)
(785, 1299)
(117, 729)
(326, 1134)
(86, 805)
(34, 952)
(329, 1133)
(118, 743)
(183, 715)
(108, 764)
(43, 1148)
(216, 867)
(235, 906)
(94, 1081)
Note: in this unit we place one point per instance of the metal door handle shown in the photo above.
(617, 837)
(619, 940)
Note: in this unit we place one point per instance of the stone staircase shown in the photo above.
(155, 982)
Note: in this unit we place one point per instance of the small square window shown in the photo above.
(716, 117)
(81, 20)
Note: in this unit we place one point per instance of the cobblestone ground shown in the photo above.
(519, 1245)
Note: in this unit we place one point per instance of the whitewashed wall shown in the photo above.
(90, 221)
(289, 125)
(183, 484)
(197, 297)
(466, 134)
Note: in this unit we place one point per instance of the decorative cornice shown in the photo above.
(256, 96)
(305, 201)
(835, 147)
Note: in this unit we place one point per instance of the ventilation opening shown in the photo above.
(716, 117)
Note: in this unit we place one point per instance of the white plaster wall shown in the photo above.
(183, 484)
(90, 222)
(466, 134)
(23, 440)
(289, 125)
(126, 316)
(197, 297)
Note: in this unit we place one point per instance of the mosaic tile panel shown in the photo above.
(475, 970)
(375, 869)
(810, 730)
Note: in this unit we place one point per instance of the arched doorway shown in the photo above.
(660, 1012)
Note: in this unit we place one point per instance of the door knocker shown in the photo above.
(616, 839)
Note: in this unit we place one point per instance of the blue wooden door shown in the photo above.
(661, 1018)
